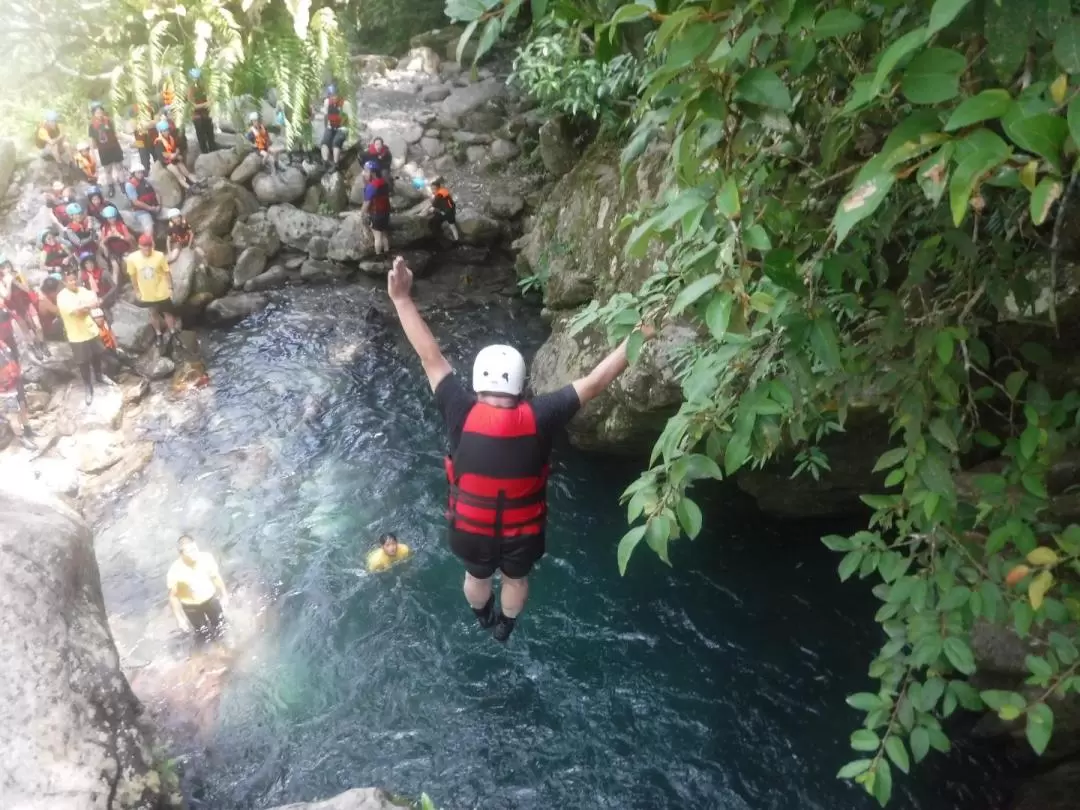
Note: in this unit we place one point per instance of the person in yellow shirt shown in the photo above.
(390, 552)
(74, 304)
(152, 281)
(197, 593)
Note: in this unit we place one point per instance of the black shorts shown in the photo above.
(207, 618)
(111, 154)
(483, 556)
(165, 306)
(379, 222)
(333, 137)
(449, 217)
(86, 350)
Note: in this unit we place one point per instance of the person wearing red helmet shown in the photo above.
(152, 280)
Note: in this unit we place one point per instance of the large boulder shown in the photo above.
(316, 271)
(557, 150)
(463, 100)
(219, 252)
(353, 240)
(183, 275)
(169, 191)
(284, 186)
(296, 228)
(420, 60)
(233, 308)
(276, 276)
(218, 206)
(435, 93)
(250, 166)
(1055, 789)
(355, 799)
(250, 263)
(131, 326)
(256, 231)
(74, 739)
(334, 192)
(222, 162)
(210, 282)
(477, 228)
(7, 163)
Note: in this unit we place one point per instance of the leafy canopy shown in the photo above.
(867, 214)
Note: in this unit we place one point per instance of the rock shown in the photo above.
(276, 276)
(318, 247)
(250, 263)
(356, 193)
(250, 166)
(210, 282)
(134, 391)
(1052, 790)
(79, 741)
(7, 163)
(316, 271)
(373, 64)
(284, 186)
(476, 154)
(504, 206)
(353, 240)
(504, 150)
(312, 201)
(450, 70)
(477, 228)
(218, 252)
(92, 451)
(294, 263)
(257, 231)
(37, 401)
(57, 477)
(557, 150)
(295, 228)
(154, 366)
(435, 94)
(131, 325)
(420, 60)
(217, 208)
(183, 275)
(469, 138)
(235, 307)
(135, 458)
(445, 163)
(485, 119)
(223, 162)
(105, 412)
(335, 194)
(432, 147)
(419, 262)
(412, 133)
(170, 193)
(355, 799)
(466, 99)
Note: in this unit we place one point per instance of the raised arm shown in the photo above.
(399, 285)
(592, 385)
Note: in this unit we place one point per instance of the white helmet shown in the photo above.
(499, 370)
(82, 146)
(136, 166)
(172, 213)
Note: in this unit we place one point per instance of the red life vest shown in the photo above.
(117, 238)
(61, 214)
(498, 474)
(144, 192)
(333, 111)
(381, 156)
(84, 235)
(55, 255)
(380, 203)
(181, 234)
(9, 368)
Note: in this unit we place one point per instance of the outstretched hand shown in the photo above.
(399, 281)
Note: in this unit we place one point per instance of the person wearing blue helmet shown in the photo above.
(336, 119)
(82, 233)
(50, 139)
(102, 133)
(171, 155)
(199, 100)
(376, 207)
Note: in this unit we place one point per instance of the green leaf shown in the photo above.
(627, 545)
(718, 314)
(1008, 30)
(757, 238)
(894, 747)
(1051, 16)
(944, 12)
(944, 346)
(1040, 726)
(959, 654)
(853, 769)
(736, 453)
(894, 478)
(892, 56)
(689, 515)
(860, 202)
(765, 88)
(1067, 46)
(727, 201)
(933, 76)
(492, 29)
(693, 291)
(966, 177)
(824, 341)
(539, 8)
(762, 302)
(864, 701)
(628, 13)
(890, 458)
(920, 743)
(1044, 196)
(1015, 381)
(657, 535)
(779, 267)
(1029, 441)
(1033, 484)
(1042, 134)
(463, 40)
(865, 740)
(1039, 667)
(944, 434)
(839, 22)
(883, 783)
(849, 564)
(633, 345)
(987, 105)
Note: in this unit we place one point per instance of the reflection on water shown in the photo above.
(717, 683)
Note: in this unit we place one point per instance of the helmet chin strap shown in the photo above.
(498, 400)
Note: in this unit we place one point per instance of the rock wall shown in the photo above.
(72, 738)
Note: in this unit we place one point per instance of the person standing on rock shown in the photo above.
(144, 200)
(75, 304)
(13, 397)
(143, 123)
(336, 119)
(443, 207)
(152, 280)
(376, 207)
(200, 112)
(16, 295)
(500, 446)
(110, 154)
(197, 592)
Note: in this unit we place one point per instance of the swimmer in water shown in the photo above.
(197, 593)
(389, 553)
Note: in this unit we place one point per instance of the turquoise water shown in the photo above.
(717, 683)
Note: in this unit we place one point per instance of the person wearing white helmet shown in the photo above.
(144, 200)
(179, 235)
(258, 136)
(85, 162)
(497, 468)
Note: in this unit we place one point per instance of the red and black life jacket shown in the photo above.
(334, 117)
(117, 238)
(96, 277)
(55, 255)
(442, 201)
(84, 235)
(181, 234)
(144, 192)
(381, 156)
(380, 203)
(60, 212)
(498, 473)
(102, 131)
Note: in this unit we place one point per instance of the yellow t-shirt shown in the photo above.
(378, 560)
(79, 328)
(150, 275)
(193, 584)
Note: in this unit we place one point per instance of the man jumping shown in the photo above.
(497, 469)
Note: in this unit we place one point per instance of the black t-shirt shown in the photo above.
(553, 411)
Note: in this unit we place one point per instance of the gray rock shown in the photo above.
(154, 366)
(353, 240)
(477, 228)
(236, 307)
(295, 228)
(504, 206)
(432, 147)
(106, 412)
(485, 119)
(468, 138)
(466, 99)
(316, 271)
(249, 264)
(356, 192)
(211, 282)
(222, 162)
(425, 118)
(445, 163)
(276, 276)
(412, 133)
(170, 193)
(284, 186)
(372, 64)
(219, 252)
(257, 231)
(7, 163)
(450, 69)
(504, 150)
(335, 194)
(435, 94)
(557, 150)
(250, 166)
(183, 275)
(355, 799)
(76, 739)
(476, 154)
(318, 247)
(312, 201)
(131, 325)
(420, 60)
(1056, 789)
(294, 263)
(216, 208)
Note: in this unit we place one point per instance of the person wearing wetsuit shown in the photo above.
(200, 112)
(497, 467)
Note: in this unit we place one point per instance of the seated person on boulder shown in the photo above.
(116, 241)
(58, 205)
(144, 200)
(85, 162)
(49, 139)
(337, 126)
(172, 157)
(443, 207)
(82, 233)
(54, 253)
(259, 137)
(179, 236)
(96, 204)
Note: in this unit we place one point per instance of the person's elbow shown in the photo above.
(588, 389)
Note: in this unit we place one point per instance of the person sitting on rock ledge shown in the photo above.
(96, 204)
(379, 152)
(85, 163)
(144, 200)
(54, 253)
(337, 127)
(443, 207)
(59, 203)
(389, 553)
(172, 157)
(95, 278)
(13, 397)
(82, 233)
(259, 137)
(179, 236)
(116, 241)
(197, 593)
(49, 139)
(75, 304)
(150, 276)
(376, 207)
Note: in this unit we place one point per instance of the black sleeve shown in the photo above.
(555, 410)
(454, 403)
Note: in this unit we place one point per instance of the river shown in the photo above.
(716, 683)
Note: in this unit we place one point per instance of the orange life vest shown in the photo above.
(170, 150)
(260, 137)
(87, 165)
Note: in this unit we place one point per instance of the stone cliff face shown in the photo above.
(72, 737)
